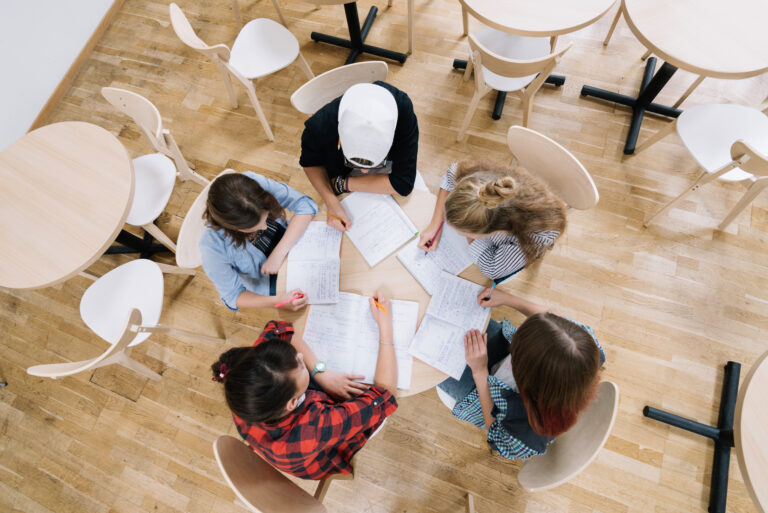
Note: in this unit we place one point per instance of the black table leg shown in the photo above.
(501, 96)
(650, 87)
(129, 243)
(357, 36)
(722, 435)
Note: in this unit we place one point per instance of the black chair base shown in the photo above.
(129, 243)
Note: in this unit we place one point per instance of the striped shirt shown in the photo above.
(500, 254)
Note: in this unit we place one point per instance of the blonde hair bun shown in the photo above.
(495, 192)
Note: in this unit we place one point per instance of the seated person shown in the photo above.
(248, 237)
(365, 140)
(526, 385)
(510, 218)
(298, 428)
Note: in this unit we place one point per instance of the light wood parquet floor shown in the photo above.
(671, 303)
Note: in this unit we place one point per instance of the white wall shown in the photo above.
(39, 41)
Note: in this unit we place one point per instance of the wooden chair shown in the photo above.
(729, 142)
(262, 47)
(316, 93)
(505, 62)
(411, 13)
(555, 165)
(236, 10)
(133, 291)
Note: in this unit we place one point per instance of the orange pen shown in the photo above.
(379, 305)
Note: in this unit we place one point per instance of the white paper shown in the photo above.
(456, 302)
(452, 255)
(313, 264)
(379, 225)
(346, 337)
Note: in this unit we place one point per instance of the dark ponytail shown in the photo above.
(257, 380)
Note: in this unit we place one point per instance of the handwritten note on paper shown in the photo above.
(346, 337)
(379, 225)
(313, 264)
(452, 255)
(452, 311)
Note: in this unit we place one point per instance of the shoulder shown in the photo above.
(327, 116)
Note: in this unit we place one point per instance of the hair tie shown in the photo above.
(223, 371)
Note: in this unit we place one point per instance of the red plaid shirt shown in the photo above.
(320, 437)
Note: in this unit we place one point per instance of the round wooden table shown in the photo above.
(66, 191)
(708, 37)
(751, 432)
(392, 279)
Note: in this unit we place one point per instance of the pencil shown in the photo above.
(491, 292)
(283, 303)
(430, 241)
(337, 217)
(379, 305)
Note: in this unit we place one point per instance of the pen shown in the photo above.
(283, 303)
(430, 241)
(491, 292)
(379, 305)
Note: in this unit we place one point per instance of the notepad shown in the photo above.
(313, 264)
(379, 225)
(452, 255)
(346, 337)
(452, 311)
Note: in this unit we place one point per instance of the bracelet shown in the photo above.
(386, 343)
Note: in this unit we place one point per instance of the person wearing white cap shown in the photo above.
(365, 140)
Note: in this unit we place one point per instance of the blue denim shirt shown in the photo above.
(233, 269)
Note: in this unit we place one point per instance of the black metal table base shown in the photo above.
(357, 36)
(501, 96)
(722, 435)
(650, 87)
(129, 243)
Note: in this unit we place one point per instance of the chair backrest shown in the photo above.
(555, 165)
(510, 67)
(575, 449)
(317, 92)
(259, 485)
(756, 163)
(186, 33)
(187, 250)
(446, 399)
(56, 370)
(142, 111)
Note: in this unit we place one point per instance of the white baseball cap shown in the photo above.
(367, 120)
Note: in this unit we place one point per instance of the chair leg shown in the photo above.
(470, 112)
(190, 164)
(90, 276)
(527, 109)
(389, 3)
(160, 236)
(615, 22)
(279, 13)
(646, 55)
(304, 65)
(703, 178)
(470, 503)
(182, 165)
(552, 44)
(126, 361)
(236, 9)
(749, 196)
(161, 328)
(322, 489)
(260, 113)
(687, 93)
(465, 20)
(658, 136)
(228, 82)
(468, 69)
(173, 269)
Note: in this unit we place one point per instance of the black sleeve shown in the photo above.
(405, 147)
(313, 141)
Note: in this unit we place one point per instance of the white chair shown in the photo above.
(133, 291)
(411, 12)
(509, 63)
(236, 9)
(154, 174)
(320, 90)
(554, 165)
(729, 142)
(262, 47)
(446, 399)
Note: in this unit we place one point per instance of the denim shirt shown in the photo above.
(234, 269)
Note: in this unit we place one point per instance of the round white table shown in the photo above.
(66, 191)
(708, 37)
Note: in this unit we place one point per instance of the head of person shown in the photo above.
(490, 197)
(556, 364)
(238, 205)
(367, 122)
(262, 383)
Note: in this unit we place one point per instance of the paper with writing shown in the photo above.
(313, 264)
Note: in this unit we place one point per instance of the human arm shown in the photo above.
(433, 231)
(319, 180)
(248, 299)
(476, 354)
(336, 384)
(293, 233)
(371, 183)
(499, 298)
(386, 364)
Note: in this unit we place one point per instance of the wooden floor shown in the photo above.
(671, 303)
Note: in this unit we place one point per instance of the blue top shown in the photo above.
(233, 269)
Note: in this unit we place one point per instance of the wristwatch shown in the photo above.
(319, 367)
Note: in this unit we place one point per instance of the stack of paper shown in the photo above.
(346, 337)
(313, 264)
(379, 225)
(452, 311)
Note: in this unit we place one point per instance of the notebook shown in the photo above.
(452, 255)
(346, 337)
(379, 225)
(452, 311)
(313, 264)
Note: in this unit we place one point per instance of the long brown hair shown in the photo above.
(237, 202)
(555, 363)
(490, 197)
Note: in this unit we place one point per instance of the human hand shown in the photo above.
(336, 217)
(285, 301)
(475, 351)
(433, 232)
(340, 386)
(490, 297)
(272, 264)
(383, 318)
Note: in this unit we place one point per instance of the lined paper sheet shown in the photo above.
(452, 311)
(346, 337)
(452, 255)
(313, 264)
(379, 225)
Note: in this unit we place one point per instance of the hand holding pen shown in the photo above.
(488, 299)
(430, 237)
(293, 300)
